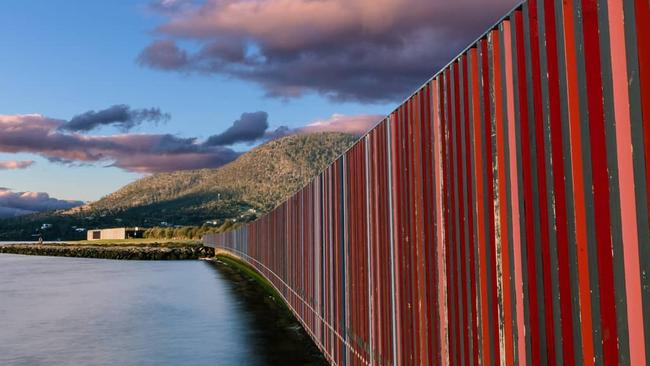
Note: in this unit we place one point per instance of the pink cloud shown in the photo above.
(355, 125)
(295, 24)
(365, 50)
(23, 203)
(152, 153)
(15, 164)
(134, 152)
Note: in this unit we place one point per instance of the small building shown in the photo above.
(115, 233)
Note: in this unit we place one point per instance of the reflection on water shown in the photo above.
(72, 311)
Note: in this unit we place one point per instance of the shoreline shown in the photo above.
(116, 252)
(232, 261)
(250, 283)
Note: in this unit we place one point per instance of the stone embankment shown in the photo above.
(110, 252)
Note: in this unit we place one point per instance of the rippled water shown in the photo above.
(73, 311)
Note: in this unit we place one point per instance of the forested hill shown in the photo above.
(261, 178)
(244, 189)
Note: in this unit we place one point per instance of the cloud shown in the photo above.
(6, 212)
(146, 163)
(171, 6)
(164, 55)
(249, 128)
(355, 125)
(254, 127)
(120, 115)
(279, 132)
(15, 164)
(22, 203)
(152, 153)
(362, 50)
(145, 153)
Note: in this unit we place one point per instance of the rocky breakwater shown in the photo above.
(124, 252)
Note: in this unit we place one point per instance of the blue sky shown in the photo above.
(205, 63)
(62, 59)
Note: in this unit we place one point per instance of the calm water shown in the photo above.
(68, 311)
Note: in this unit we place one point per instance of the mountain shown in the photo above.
(244, 189)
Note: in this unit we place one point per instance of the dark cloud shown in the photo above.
(353, 125)
(250, 127)
(279, 132)
(21, 203)
(363, 50)
(221, 53)
(151, 153)
(146, 153)
(6, 212)
(164, 55)
(120, 115)
(212, 158)
(254, 127)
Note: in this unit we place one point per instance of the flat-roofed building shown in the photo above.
(115, 233)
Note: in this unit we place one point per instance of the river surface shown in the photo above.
(77, 311)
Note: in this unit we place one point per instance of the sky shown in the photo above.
(96, 94)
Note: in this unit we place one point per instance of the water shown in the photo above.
(75, 311)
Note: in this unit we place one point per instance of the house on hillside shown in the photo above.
(115, 233)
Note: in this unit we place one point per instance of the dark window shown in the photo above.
(97, 234)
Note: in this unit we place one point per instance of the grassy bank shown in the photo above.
(248, 282)
(167, 243)
(253, 274)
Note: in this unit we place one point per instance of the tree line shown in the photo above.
(188, 232)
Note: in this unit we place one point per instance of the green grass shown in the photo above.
(275, 307)
(251, 272)
(136, 243)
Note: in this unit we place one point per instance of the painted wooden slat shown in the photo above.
(498, 216)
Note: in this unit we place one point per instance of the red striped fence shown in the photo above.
(499, 216)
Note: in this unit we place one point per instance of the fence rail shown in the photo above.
(499, 215)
